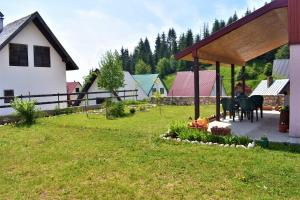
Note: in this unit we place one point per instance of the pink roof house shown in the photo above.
(183, 85)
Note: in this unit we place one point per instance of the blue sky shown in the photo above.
(89, 28)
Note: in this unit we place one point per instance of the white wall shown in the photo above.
(36, 80)
(157, 85)
(129, 84)
(294, 91)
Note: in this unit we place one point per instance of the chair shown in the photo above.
(228, 105)
(258, 103)
(247, 108)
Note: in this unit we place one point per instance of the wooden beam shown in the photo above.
(243, 79)
(232, 81)
(218, 91)
(196, 88)
(294, 21)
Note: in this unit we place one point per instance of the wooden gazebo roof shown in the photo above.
(251, 36)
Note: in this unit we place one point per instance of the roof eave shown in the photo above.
(254, 15)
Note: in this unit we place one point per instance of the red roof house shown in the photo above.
(183, 85)
(73, 87)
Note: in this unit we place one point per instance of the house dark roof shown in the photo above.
(184, 83)
(1, 15)
(12, 29)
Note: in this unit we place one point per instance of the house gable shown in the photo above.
(11, 30)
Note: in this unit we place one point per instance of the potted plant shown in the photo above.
(284, 119)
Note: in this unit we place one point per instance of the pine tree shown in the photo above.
(230, 21)
(234, 17)
(197, 38)
(148, 57)
(125, 58)
(182, 42)
(157, 51)
(206, 31)
(189, 38)
(248, 12)
(222, 24)
(216, 26)
(172, 41)
(164, 47)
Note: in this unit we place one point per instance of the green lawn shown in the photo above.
(75, 157)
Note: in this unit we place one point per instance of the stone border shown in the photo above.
(250, 145)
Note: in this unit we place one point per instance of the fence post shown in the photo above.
(21, 97)
(136, 94)
(58, 100)
(29, 96)
(124, 95)
(87, 98)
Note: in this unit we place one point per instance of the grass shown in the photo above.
(75, 157)
(169, 80)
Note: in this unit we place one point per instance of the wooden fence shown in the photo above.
(85, 97)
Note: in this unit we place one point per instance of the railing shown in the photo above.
(85, 97)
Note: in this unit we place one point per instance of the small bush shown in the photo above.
(25, 110)
(142, 108)
(177, 128)
(132, 110)
(115, 110)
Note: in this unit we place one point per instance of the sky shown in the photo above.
(89, 28)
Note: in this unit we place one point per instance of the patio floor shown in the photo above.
(268, 126)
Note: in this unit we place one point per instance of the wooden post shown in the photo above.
(87, 98)
(29, 96)
(58, 100)
(244, 80)
(232, 81)
(218, 91)
(136, 94)
(196, 88)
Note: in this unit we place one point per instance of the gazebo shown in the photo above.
(267, 28)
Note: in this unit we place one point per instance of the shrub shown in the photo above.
(132, 110)
(177, 128)
(114, 110)
(25, 110)
(142, 108)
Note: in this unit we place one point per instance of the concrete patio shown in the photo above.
(268, 126)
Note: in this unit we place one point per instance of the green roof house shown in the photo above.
(150, 84)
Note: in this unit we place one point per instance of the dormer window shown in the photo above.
(18, 55)
(41, 56)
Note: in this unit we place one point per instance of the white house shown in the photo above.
(32, 61)
(96, 99)
(73, 87)
(151, 83)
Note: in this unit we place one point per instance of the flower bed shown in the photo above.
(180, 131)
